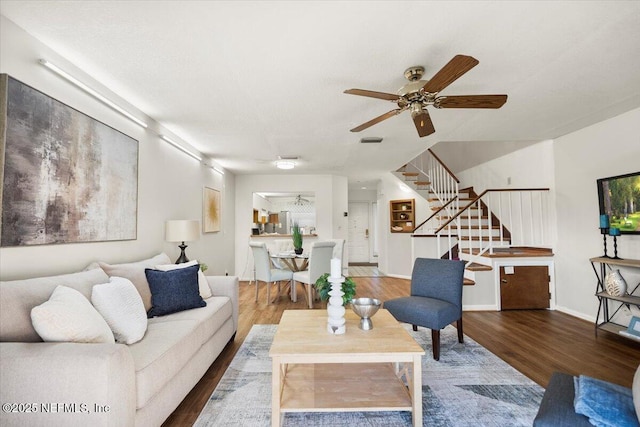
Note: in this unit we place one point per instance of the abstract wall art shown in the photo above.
(211, 210)
(65, 177)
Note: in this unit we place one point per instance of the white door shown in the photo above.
(359, 233)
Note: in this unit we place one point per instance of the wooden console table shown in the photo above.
(605, 299)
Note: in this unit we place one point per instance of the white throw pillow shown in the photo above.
(134, 271)
(69, 317)
(121, 306)
(203, 284)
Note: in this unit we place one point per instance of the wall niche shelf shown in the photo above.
(402, 215)
(608, 303)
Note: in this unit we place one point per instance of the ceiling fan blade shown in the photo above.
(423, 123)
(455, 68)
(471, 101)
(373, 94)
(376, 120)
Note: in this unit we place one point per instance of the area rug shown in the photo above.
(469, 386)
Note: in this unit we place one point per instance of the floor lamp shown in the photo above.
(183, 230)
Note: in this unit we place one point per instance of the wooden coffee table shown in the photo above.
(315, 371)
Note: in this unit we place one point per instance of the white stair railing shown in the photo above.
(498, 218)
(443, 186)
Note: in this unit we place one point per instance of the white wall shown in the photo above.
(395, 258)
(608, 148)
(570, 166)
(526, 168)
(340, 206)
(530, 167)
(170, 184)
(330, 199)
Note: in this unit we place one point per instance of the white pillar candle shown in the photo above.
(336, 268)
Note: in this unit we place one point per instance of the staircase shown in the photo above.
(477, 229)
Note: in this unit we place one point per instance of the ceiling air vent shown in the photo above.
(371, 140)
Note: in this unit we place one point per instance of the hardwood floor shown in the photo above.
(535, 342)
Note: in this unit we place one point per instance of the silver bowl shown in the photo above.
(365, 308)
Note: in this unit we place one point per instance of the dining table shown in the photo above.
(292, 261)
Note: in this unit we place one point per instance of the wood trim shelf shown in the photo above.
(620, 262)
(627, 299)
(402, 215)
(312, 388)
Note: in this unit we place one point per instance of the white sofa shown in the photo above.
(79, 384)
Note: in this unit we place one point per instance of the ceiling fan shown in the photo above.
(418, 94)
(301, 201)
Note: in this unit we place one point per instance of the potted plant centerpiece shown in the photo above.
(323, 286)
(297, 239)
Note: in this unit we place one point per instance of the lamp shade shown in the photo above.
(182, 230)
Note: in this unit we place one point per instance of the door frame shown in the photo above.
(372, 227)
(519, 262)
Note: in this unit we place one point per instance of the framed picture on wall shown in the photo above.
(619, 199)
(211, 210)
(66, 177)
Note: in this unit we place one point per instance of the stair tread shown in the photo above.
(435, 208)
(463, 217)
(410, 173)
(468, 282)
(515, 252)
(485, 238)
(474, 266)
(474, 227)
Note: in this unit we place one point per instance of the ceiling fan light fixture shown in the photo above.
(416, 109)
(285, 164)
(300, 201)
(419, 93)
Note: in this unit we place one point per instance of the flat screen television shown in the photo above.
(619, 198)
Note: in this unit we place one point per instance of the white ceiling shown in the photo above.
(247, 81)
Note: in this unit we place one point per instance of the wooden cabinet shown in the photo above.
(402, 215)
(610, 305)
(524, 287)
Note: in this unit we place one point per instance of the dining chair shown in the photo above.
(319, 263)
(264, 272)
(435, 300)
(281, 245)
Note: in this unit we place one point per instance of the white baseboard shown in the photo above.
(479, 308)
(574, 313)
(399, 276)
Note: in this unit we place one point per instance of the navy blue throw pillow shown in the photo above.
(173, 291)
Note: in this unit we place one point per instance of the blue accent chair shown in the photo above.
(436, 298)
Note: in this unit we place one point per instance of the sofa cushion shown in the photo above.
(121, 306)
(174, 290)
(211, 317)
(203, 284)
(635, 389)
(171, 341)
(69, 317)
(134, 271)
(18, 297)
(556, 408)
(606, 404)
